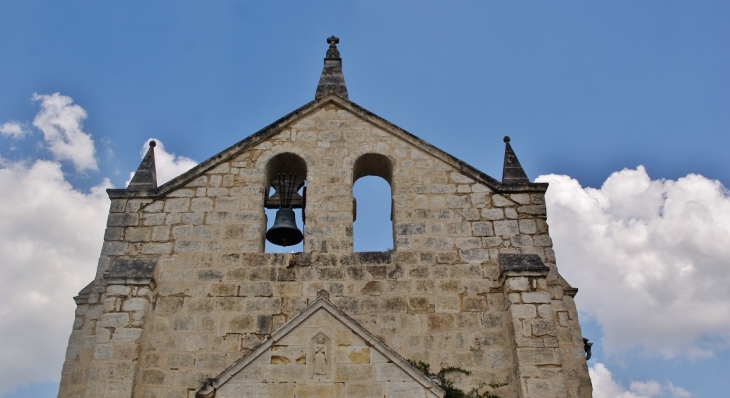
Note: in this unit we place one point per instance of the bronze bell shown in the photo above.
(284, 232)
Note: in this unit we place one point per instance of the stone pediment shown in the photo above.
(321, 352)
(302, 113)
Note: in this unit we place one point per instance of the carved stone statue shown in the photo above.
(320, 357)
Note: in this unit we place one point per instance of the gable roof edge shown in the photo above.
(304, 110)
(220, 157)
(457, 163)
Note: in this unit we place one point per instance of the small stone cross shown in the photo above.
(323, 293)
(332, 40)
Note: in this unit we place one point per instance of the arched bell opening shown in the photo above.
(372, 206)
(286, 176)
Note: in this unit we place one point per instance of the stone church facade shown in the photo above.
(186, 303)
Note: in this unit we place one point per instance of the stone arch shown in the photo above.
(286, 162)
(373, 164)
(376, 165)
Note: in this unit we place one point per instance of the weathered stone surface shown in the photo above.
(122, 219)
(126, 335)
(132, 268)
(520, 284)
(542, 327)
(114, 320)
(522, 263)
(506, 228)
(136, 304)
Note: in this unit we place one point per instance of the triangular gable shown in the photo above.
(309, 108)
(323, 313)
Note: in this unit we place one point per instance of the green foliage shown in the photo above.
(451, 390)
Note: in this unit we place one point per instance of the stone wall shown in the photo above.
(438, 297)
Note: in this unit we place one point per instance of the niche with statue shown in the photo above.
(320, 357)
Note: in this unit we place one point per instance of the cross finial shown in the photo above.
(333, 52)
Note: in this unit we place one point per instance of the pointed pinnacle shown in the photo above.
(512, 172)
(332, 81)
(145, 178)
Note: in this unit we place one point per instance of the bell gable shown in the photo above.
(184, 286)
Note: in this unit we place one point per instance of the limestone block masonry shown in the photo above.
(184, 291)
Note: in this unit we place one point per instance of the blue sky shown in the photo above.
(585, 90)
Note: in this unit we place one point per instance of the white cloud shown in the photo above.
(649, 388)
(604, 386)
(50, 239)
(14, 129)
(168, 164)
(61, 120)
(650, 258)
(676, 391)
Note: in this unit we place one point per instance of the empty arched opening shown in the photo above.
(372, 177)
(286, 176)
